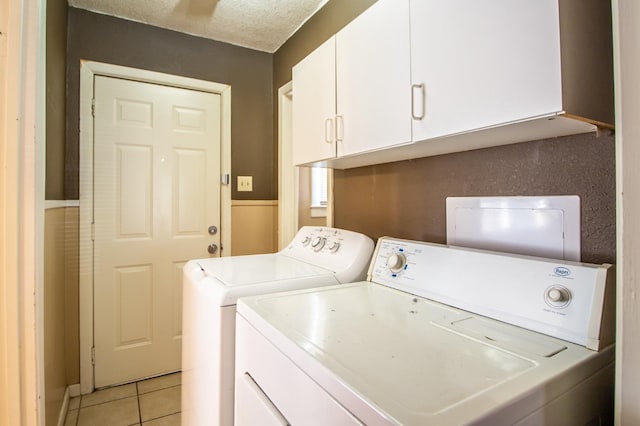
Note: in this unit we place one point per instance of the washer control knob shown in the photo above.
(306, 240)
(317, 243)
(558, 296)
(334, 246)
(396, 262)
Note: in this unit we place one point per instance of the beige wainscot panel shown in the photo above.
(72, 307)
(254, 227)
(60, 304)
(54, 312)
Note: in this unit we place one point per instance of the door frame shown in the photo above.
(22, 179)
(288, 176)
(89, 69)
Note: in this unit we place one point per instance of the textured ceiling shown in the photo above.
(257, 24)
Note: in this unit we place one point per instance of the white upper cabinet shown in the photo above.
(314, 105)
(413, 78)
(373, 79)
(351, 94)
(477, 64)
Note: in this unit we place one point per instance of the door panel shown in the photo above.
(156, 191)
(134, 181)
(189, 189)
(176, 309)
(134, 303)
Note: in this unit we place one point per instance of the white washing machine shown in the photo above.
(317, 256)
(437, 335)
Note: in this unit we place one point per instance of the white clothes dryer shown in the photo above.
(436, 335)
(317, 256)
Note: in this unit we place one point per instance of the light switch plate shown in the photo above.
(245, 183)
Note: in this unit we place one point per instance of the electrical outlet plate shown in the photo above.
(245, 183)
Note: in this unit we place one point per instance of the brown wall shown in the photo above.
(107, 39)
(56, 97)
(325, 23)
(407, 199)
(587, 73)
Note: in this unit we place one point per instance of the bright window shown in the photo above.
(318, 192)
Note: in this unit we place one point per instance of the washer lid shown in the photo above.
(405, 356)
(238, 271)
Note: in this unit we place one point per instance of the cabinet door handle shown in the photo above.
(419, 87)
(328, 130)
(339, 128)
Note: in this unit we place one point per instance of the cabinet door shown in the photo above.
(314, 105)
(373, 79)
(483, 63)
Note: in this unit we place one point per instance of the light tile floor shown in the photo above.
(152, 402)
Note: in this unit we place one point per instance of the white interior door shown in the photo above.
(156, 192)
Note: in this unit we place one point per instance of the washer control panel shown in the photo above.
(341, 251)
(320, 239)
(554, 297)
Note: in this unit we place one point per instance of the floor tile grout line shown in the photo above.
(164, 416)
(160, 389)
(138, 399)
(111, 400)
(78, 416)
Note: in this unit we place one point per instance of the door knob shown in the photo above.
(213, 230)
(212, 249)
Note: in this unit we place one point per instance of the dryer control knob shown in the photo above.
(396, 262)
(318, 243)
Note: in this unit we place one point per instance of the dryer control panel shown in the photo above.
(568, 300)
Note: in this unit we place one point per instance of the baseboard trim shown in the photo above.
(74, 390)
(235, 203)
(57, 204)
(70, 392)
(65, 407)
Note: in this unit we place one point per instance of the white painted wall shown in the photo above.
(8, 311)
(626, 16)
(22, 101)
